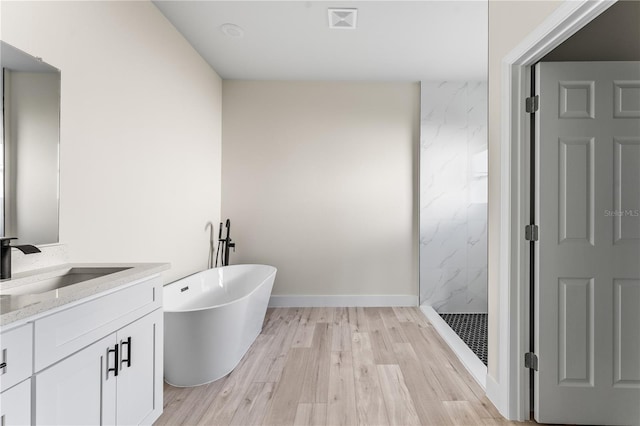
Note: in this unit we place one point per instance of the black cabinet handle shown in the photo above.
(3, 365)
(128, 360)
(115, 364)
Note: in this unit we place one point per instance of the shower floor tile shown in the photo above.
(472, 329)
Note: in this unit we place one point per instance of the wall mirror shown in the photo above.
(30, 147)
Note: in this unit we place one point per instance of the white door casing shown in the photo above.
(587, 301)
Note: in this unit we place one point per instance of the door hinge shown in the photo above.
(531, 361)
(532, 104)
(531, 232)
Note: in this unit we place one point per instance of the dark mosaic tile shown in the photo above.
(472, 329)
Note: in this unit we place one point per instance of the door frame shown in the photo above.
(511, 393)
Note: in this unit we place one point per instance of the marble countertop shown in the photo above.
(18, 307)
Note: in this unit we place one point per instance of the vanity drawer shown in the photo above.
(68, 331)
(15, 405)
(16, 354)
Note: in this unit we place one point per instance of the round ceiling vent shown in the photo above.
(232, 30)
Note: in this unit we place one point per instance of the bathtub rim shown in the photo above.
(173, 311)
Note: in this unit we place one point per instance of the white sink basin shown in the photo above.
(71, 276)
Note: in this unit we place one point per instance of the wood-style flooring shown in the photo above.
(339, 366)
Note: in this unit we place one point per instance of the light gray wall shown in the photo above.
(320, 180)
(140, 130)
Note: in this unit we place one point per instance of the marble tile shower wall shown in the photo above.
(453, 196)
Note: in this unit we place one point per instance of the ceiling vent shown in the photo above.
(232, 30)
(343, 18)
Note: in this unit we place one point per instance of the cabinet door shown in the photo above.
(16, 356)
(78, 390)
(15, 405)
(139, 391)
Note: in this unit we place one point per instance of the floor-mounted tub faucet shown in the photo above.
(5, 255)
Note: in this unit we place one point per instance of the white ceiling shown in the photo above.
(291, 40)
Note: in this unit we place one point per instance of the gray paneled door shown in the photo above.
(587, 301)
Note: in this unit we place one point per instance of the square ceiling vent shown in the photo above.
(344, 19)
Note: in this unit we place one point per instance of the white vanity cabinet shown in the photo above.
(112, 381)
(140, 379)
(15, 405)
(97, 361)
(15, 372)
(72, 391)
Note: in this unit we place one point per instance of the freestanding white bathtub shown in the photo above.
(211, 318)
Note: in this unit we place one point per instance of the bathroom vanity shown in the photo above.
(79, 343)
(82, 344)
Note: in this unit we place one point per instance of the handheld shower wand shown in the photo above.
(219, 243)
(209, 226)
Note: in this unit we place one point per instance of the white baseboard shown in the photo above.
(334, 301)
(471, 362)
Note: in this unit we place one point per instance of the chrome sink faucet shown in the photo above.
(5, 255)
